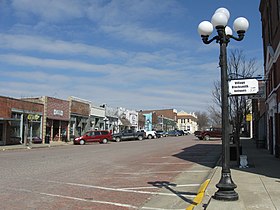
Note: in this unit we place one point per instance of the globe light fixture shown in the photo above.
(219, 21)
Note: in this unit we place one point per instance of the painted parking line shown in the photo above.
(154, 187)
(162, 172)
(75, 198)
(167, 163)
(116, 189)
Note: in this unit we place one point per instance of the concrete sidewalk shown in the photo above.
(22, 146)
(258, 186)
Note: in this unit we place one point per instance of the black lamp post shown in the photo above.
(219, 21)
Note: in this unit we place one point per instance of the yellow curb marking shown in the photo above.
(200, 194)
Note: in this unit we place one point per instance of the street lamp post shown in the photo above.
(219, 21)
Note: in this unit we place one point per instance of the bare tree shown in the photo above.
(202, 119)
(215, 110)
(238, 68)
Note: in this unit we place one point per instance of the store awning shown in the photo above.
(125, 122)
(9, 119)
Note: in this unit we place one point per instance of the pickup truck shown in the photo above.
(129, 135)
(150, 134)
(209, 134)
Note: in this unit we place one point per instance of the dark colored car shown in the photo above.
(210, 133)
(100, 136)
(129, 135)
(181, 132)
(173, 133)
(160, 134)
(36, 140)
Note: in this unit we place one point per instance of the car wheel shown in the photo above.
(105, 141)
(150, 137)
(140, 138)
(207, 138)
(82, 142)
(118, 139)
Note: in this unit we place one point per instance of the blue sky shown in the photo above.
(137, 54)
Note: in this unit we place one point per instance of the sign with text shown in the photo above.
(243, 86)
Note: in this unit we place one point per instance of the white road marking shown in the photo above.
(177, 186)
(163, 172)
(152, 208)
(167, 163)
(76, 198)
(118, 189)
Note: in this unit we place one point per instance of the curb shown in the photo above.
(200, 200)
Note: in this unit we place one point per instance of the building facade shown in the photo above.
(162, 119)
(20, 121)
(270, 17)
(79, 116)
(186, 121)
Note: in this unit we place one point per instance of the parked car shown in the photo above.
(150, 134)
(129, 135)
(210, 133)
(101, 136)
(186, 132)
(197, 133)
(173, 133)
(160, 134)
(180, 132)
(36, 140)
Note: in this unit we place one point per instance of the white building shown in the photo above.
(187, 121)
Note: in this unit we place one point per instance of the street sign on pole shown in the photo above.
(243, 87)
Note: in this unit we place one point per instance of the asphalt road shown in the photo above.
(124, 175)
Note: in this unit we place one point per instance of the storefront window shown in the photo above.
(15, 128)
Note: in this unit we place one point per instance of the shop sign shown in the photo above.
(249, 117)
(243, 87)
(58, 112)
(33, 117)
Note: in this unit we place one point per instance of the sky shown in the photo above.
(135, 54)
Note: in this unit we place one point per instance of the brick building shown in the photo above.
(79, 116)
(19, 120)
(162, 119)
(56, 118)
(270, 17)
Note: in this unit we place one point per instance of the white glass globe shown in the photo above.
(205, 28)
(228, 30)
(219, 19)
(223, 10)
(240, 24)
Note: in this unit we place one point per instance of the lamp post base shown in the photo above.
(226, 189)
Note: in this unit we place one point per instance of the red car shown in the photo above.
(100, 136)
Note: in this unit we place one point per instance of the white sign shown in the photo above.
(243, 86)
(58, 112)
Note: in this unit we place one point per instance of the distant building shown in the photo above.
(162, 119)
(186, 121)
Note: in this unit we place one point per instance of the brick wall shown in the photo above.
(7, 104)
(57, 109)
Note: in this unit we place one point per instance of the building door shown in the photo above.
(271, 135)
(1, 133)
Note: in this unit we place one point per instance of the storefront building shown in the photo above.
(270, 17)
(20, 121)
(79, 117)
(56, 118)
(97, 117)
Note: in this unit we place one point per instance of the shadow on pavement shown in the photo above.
(260, 161)
(203, 154)
(168, 185)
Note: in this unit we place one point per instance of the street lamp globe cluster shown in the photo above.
(219, 21)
